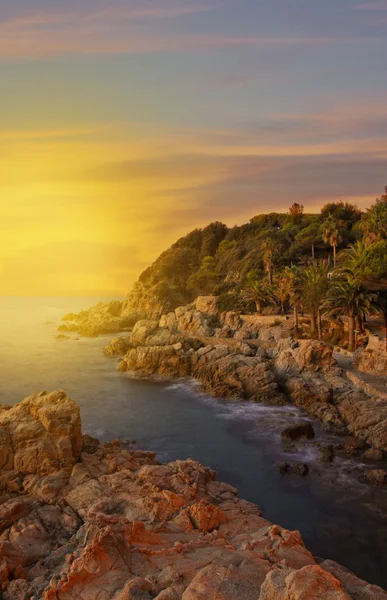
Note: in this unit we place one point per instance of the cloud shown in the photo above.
(123, 28)
(372, 6)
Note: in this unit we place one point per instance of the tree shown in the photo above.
(369, 265)
(313, 285)
(296, 210)
(283, 288)
(331, 234)
(310, 236)
(259, 292)
(288, 287)
(374, 222)
(341, 211)
(346, 297)
(204, 280)
(269, 251)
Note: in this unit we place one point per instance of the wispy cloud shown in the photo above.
(123, 28)
(372, 6)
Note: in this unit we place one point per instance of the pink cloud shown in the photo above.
(120, 29)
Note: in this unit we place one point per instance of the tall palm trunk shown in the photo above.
(296, 318)
(351, 333)
(258, 306)
(319, 327)
(359, 324)
(334, 255)
(312, 251)
(312, 321)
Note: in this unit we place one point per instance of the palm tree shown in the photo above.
(347, 297)
(353, 261)
(282, 288)
(367, 264)
(288, 287)
(269, 251)
(374, 221)
(259, 292)
(312, 287)
(331, 234)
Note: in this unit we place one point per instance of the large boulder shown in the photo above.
(303, 429)
(41, 435)
(303, 355)
(142, 330)
(373, 358)
(118, 347)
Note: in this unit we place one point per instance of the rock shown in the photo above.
(41, 435)
(286, 468)
(142, 330)
(303, 429)
(355, 587)
(313, 394)
(373, 359)
(326, 453)
(125, 527)
(366, 418)
(89, 444)
(303, 469)
(373, 454)
(207, 304)
(313, 583)
(118, 347)
(376, 476)
(311, 355)
(101, 318)
(283, 467)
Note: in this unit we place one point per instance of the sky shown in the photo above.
(124, 124)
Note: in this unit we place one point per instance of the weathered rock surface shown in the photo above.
(39, 436)
(303, 429)
(99, 319)
(373, 359)
(223, 371)
(243, 357)
(257, 360)
(124, 527)
(117, 347)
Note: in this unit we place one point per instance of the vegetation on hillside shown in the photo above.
(329, 265)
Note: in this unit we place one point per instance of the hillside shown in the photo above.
(327, 266)
(220, 260)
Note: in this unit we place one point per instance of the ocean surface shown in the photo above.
(339, 517)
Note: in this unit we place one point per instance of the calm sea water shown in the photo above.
(338, 517)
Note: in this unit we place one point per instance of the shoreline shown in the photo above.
(107, 504)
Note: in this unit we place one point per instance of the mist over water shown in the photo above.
(338, 517)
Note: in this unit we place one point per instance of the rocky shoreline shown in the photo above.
(256, 358)
(84, 520)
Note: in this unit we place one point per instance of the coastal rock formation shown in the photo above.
(373, 358)
(223, 371)
(99, 319)
(267, 366)
(124, 527)
(39, 436)
(117, 347)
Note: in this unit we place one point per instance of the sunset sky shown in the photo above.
(124, 124)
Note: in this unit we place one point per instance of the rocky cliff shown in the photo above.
(79, 520)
